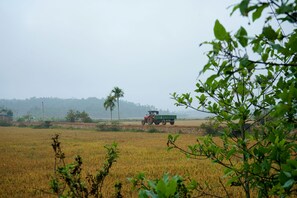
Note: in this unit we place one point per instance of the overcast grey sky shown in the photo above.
(84, 48)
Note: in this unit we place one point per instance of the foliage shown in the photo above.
(7, 112)
(25, 118)
(162, 188)
(211, 128)
(109, 104)
(173, 186)
(252, 77)
(84, 117)
(56, 108)
(5, 123)
(67, 180)
(117, 94)
(73, 116)
(153, 130)
(42, 125)
(104, 126)
(6, 117)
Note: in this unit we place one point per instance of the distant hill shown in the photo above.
(56, 108)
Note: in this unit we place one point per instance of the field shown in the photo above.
(178, 122)
(27, 159)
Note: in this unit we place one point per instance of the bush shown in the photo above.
(211, 128)
(153, 130)
(104, 126)
(164, 187)
(43, 125)
(68, 181)
(5, 123)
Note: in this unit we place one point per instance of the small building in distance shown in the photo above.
(6, 115)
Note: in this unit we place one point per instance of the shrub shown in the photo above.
(104, 126)
(43, 125)
(5, 123)
(211, 128)
(153, 130)
(68, 181)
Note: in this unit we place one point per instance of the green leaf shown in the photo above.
(211, 79)
(244, 61)
(171, 188)
(243, 7)
(269, 33)
(289, 183)
(292, 42)
(234, 9)
(220, 31)
(258, 12)
(230, 153)
(264, 57)
(292, 163)
(241, 36)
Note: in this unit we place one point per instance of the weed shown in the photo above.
(67, 180)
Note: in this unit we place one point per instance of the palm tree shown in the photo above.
(118, 93)
(109, 104)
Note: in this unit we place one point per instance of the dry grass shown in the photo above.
(26, 160)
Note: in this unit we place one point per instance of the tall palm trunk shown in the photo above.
(118, 102)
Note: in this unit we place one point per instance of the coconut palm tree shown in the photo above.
(109, 104)
(118, 93)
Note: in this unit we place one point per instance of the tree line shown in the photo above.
(57, 109)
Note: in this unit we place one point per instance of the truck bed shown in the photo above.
(165, 117)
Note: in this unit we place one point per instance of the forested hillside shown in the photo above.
(56, 108)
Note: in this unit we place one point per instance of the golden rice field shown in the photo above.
(27, 159)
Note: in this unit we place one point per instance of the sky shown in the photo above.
(84, 48)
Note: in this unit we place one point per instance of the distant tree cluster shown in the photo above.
(73, 116)
(6, 116)
(25, 118)
(7, 112)
(57, 108)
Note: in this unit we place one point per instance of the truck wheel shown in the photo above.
(157, 122)
(172, 122)
(150, 121)
(164, 122)
(142, 122)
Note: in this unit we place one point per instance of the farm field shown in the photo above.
(27, 159)
(178, 122)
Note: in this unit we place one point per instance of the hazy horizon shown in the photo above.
(80, 49)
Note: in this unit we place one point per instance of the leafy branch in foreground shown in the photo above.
(251, 90)
(175, 186)
(67, 180)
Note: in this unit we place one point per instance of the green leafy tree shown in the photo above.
(109, 104)
(252, 78)
(85, 117)
(71, 116)
(6, 117)
(26, 118)
(118, 93)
